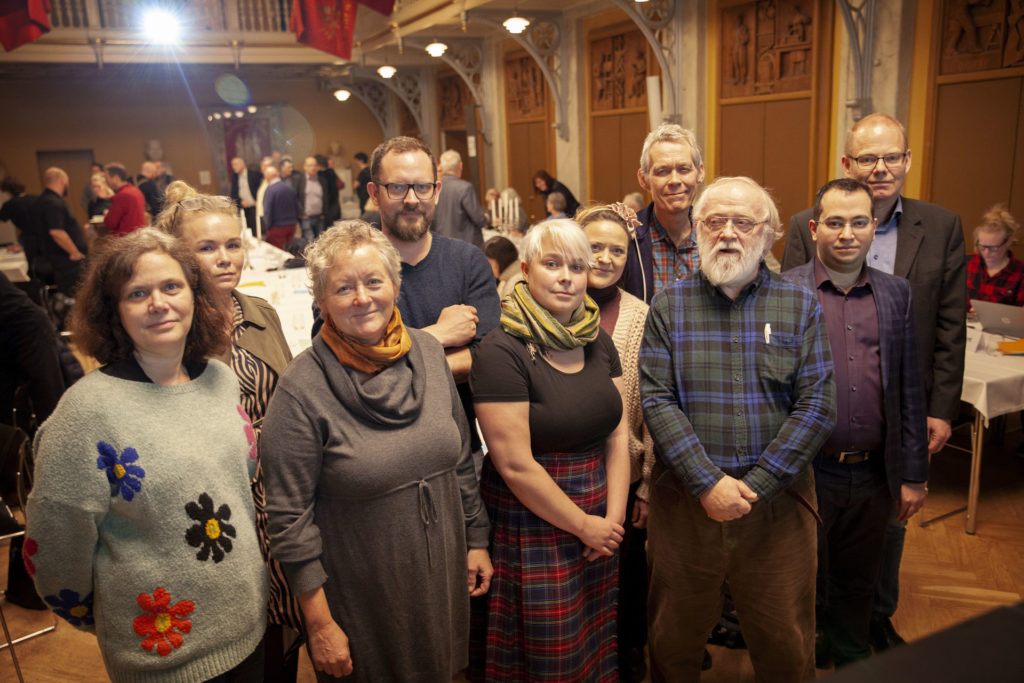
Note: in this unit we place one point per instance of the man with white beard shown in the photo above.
(738, 392)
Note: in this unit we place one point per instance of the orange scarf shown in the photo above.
(365, 357)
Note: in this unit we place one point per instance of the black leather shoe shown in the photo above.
(883, 634)
(822, 650)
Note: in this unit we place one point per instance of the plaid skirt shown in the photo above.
(549, 615)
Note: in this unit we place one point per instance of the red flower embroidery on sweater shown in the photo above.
(164, 624)
(27, 551)
(250, 435)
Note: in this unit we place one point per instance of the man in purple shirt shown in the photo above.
(877, 456)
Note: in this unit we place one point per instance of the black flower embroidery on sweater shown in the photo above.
(212, 531)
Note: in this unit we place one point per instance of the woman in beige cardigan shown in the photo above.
(609, 229)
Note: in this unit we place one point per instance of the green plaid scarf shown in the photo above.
(523, 317)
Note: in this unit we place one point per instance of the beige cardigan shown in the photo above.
(628, 333)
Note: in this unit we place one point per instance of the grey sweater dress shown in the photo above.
(372, 494)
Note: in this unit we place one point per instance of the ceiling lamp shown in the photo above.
(239, 113)
(252, 109)
(386, 70)
(436, 49)
(516, 24)
(216, 115)
(161, 26)
(341, 95)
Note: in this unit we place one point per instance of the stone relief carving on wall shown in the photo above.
(453, 95)
(618, 66)
(525, 91)
(767, 47)
(980, 35)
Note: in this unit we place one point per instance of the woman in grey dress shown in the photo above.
(375, 515)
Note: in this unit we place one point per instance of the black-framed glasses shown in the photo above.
(739, 223)
(423, 191)
(869, 161)
(991, 247)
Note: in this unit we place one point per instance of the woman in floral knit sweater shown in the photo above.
(141, 524)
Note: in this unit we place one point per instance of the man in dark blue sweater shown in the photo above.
(447, 285)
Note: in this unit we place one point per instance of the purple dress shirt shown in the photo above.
(852, 322)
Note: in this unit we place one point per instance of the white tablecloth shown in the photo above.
(286, 291)
(993, 383)
(14, 265)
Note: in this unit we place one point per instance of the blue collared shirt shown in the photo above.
(882, 254)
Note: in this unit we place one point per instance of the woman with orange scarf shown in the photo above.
(375, 515)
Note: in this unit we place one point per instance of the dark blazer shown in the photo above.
(903, 397)
(332, 204)
(153, 196)
(459, 214)
(936, 268)
(300, 193)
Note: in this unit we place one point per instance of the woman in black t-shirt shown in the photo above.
(547, 390)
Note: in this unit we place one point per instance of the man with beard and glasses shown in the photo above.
(737, 388)
(447, 284)
(61, 239)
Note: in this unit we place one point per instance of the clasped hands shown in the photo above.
(729, 499)
(601, 536)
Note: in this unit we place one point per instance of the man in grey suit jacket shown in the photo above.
(878, 451)
(925, 244)
(459, 214)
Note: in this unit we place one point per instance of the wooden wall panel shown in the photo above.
(977, 138)
(615, 155)
(787, 148)
(618, 61)
(772, 93)
(768, 142)
(741, 148)
(527, 146)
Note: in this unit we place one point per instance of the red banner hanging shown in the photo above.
(327, 25)
(22, 21)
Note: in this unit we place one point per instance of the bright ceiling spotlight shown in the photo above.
(386, 70)
(252, 108)
(239, 114)
(161, 26)
(341, 94)
(216, 115)
(436, 48)
(516, 24)
(227, 114)
(209, 118)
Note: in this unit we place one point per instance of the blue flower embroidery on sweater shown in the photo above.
(69, 606)
(124, 477)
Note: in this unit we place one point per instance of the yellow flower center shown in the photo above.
(79, 611)
(213, 528)
(162, 622)
(118, 471)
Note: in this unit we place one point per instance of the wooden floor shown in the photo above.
(947, 576)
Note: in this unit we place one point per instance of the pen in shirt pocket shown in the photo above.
(767, 333)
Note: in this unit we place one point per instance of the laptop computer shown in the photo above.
(999, 318)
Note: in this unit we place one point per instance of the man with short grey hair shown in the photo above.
(737, 389)
(664, 249)
(459, 214)
(555, 204)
